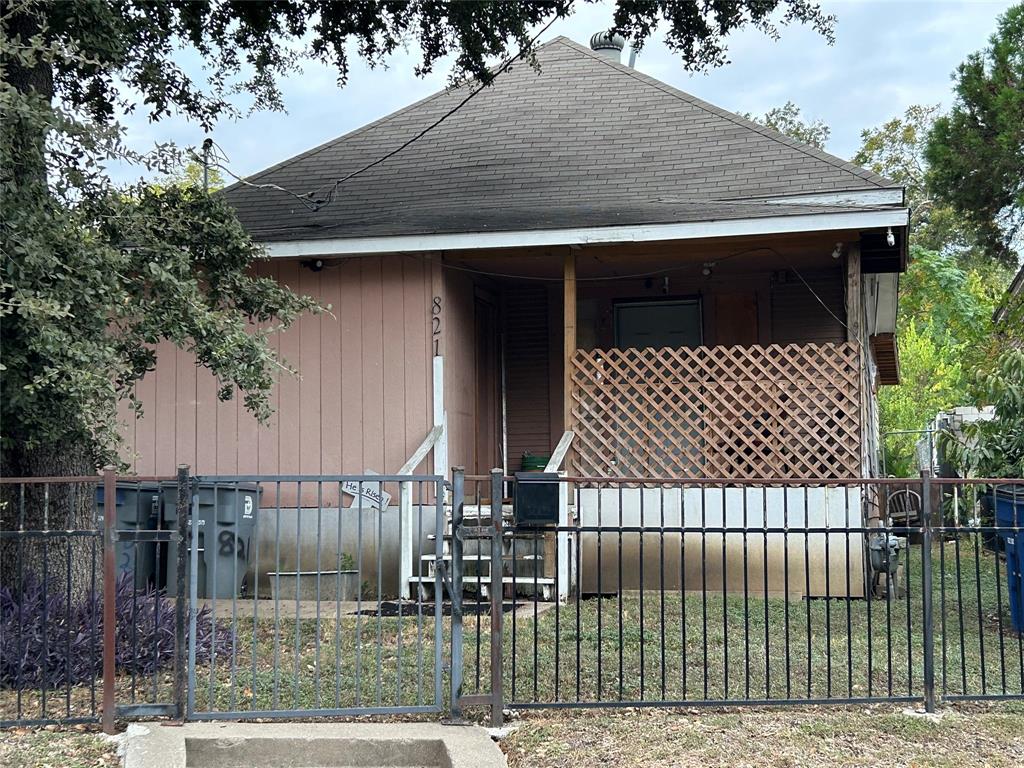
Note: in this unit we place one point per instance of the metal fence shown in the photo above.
(302, 578)
(284, 596)
(87, 627)
(723, 592)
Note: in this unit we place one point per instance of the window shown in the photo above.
(657, 324)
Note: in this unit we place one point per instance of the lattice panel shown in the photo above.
(735, 412)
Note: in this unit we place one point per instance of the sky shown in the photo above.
(888, 55)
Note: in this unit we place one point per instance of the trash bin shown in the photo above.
(137, 509)
(1008, 501)
(232, 510)
(169, 512)
(227, 517)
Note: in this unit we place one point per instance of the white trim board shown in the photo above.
(766, 225)
(853, 197)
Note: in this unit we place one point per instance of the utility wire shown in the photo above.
(657, 272)
(314, 203)
(604, 278)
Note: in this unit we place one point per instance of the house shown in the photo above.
(578, 247)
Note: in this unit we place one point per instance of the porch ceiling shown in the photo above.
(729, 255)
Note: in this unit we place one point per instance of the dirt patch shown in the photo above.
(75, 747)
(864, 736)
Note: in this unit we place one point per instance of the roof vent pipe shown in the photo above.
(608, 45)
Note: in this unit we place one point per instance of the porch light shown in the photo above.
(890, 238)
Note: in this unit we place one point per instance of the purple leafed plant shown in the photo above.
(48, 642)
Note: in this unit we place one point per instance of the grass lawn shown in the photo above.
(856, 736)
(677, 649)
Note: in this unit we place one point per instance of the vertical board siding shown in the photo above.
(459, 329)
(361, 400)
(799, 318)
(527, 372)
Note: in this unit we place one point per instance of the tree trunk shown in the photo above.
(34, 506)
(38, 506)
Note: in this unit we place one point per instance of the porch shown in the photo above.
(711, 359)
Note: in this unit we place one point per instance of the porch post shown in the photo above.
(854, 333)
(569, 334)
(854, 304)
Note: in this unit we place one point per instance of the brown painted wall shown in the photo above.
(363, 400)
(528, 366)
(458, 319)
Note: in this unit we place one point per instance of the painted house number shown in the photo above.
(435, 324)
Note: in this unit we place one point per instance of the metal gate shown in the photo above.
(299, 603)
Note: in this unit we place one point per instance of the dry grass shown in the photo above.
(877, 736)
(53, 748)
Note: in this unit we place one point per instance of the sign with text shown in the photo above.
(366, 494)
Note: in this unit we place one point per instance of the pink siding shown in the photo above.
(362, 402)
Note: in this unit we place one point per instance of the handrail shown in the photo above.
(421, 453)
(558, 456)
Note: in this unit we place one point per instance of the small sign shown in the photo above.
(366, 494)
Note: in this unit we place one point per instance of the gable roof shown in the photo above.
(583, 142)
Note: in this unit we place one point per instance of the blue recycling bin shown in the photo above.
(1008, 501)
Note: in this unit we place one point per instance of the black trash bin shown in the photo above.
(227, 517)
(137, 509)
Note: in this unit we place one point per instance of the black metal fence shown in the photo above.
(301, 596)
(87, 627)
(716, 592)
(313, 613)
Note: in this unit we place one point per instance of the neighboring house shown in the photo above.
(577, 248)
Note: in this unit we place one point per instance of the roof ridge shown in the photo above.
(689, 98)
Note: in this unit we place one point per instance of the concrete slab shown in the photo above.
(310, 745)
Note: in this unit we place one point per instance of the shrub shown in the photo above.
(48, 642)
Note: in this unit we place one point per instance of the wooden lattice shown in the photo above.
(736, 412)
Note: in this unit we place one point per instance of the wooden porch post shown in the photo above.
(854, 333)
(569, 335)
(854, 303)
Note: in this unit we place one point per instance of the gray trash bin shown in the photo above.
(232, 512)
(169, 512)
(137, 509)
(227, 517)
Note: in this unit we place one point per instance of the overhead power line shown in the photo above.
(315, 201)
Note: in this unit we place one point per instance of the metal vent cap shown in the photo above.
(606, 41)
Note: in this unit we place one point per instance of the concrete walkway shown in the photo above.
(310, 745)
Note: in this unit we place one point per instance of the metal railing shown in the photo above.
(654, 592)
(89, 630)
(757, 592)
(313, 618)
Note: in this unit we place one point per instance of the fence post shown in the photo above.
(182, 505)
(458, 500)
(928, 617)
(109, 596)
(497, 598)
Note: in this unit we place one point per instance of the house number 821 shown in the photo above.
(435, 324)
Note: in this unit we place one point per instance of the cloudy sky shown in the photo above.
(888, 55)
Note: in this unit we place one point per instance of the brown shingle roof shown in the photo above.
(582, 142)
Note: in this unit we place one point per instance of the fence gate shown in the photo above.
(295, 589)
